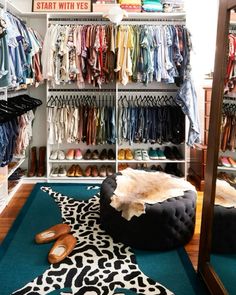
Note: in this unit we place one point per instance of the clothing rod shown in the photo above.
(81, 90)
(125, 20)
(112, 90)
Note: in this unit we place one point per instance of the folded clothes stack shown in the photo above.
(173, 5)
(152, 6)
(131, 5)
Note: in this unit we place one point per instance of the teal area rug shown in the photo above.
(225, 267)
(22, 262)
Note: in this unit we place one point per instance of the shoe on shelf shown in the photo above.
(62, 248)
(177, 153)
(42, 161)
(78, 171)
(161, 154)
(121, 154)
(169, 154)
(128, 154)
(159, 168)
(88, 171)
(61, 171)
(145, 156)
(103, 155)
(153, 168)
(94, 171)
(87, 155)
(138, 155)
(103, 171)
(54, 172)
(54, 155)
(71, 171)
(52, 233)
(95, 155)
(33, 162)
(78, 154)
(109, 170)
(153, 154)
(111, 154)
(232, 162)
(61, 155)
(225, 162)
(70, 154)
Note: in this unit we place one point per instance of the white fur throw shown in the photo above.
(225, 194)
(137, 187)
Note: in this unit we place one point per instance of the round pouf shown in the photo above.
(224, 230)
(164, 226)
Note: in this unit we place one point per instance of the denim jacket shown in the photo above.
(186, 98)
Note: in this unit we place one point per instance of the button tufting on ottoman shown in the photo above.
(164, 226)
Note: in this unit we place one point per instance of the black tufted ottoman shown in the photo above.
(166, 225)
(224, 230)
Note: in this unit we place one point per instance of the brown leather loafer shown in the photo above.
(103, 171)
(95, 155)
(52, 233)
(62, 248)
(78, 171)
(71, 171)
(94, 171)
(104, 155)
(88, 171)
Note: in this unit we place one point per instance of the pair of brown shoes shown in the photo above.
(91, 171)
(106, 171)
(75, 171)
(64, 244)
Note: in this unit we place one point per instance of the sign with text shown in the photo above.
(61, 5)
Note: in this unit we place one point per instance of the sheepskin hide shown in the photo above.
(225, 194)
(135, 188)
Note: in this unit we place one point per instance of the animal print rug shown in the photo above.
(97, 265)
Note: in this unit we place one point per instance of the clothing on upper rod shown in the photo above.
(150, 119)
(81, 118)
(20, 49)
(94, 53)
(16, 118)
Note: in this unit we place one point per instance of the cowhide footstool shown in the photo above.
(165, 225)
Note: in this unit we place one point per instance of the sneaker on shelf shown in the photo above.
(177, 153)
(78, 171)
(78, 155)
(225, 162)
(71, 171)
(70, 154)
(103, 155)
(121, 154)
(138, 155)
(145, 155)
(161, 154)
(55, 171)
(54, 155)
(128, 155)
(111, 154)
(169, 154)
(61, 155)
(153, 154)
(232, 162)
(109, 170)
(61, 171)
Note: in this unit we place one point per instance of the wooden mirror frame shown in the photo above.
(205, 269)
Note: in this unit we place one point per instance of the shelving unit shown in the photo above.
(19, 163)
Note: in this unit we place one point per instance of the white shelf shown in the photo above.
(152, 161)
(223, 168)
(76, 178)
(19, 163)
(81, 161)
(14, 190)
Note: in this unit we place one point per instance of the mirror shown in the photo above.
(217, 252)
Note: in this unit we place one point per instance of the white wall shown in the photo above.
(23, 5)
(202, 22)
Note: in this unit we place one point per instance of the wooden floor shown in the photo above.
(8, 216)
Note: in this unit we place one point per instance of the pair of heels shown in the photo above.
(64, 244)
